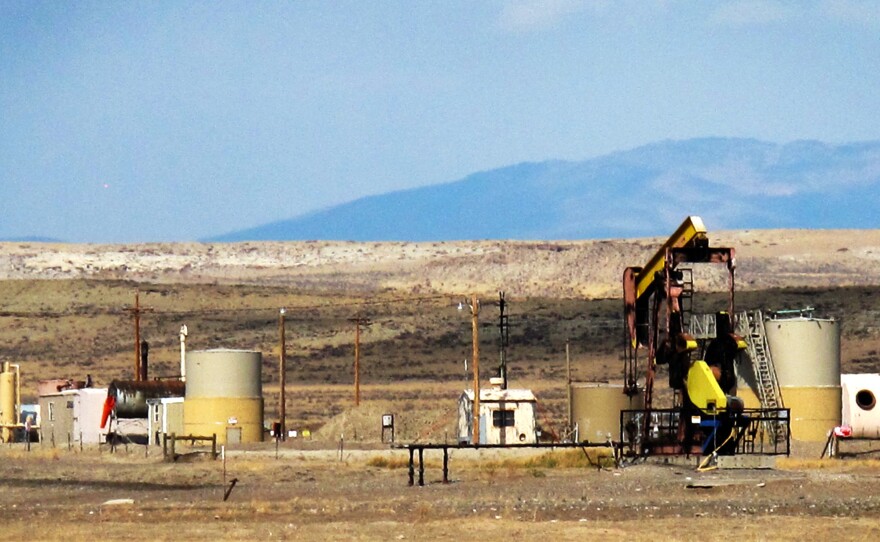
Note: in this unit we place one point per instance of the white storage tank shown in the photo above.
(806, 355)
(861, 393)
(224, 395)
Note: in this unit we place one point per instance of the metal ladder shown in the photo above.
(759, 351)
(686, 299)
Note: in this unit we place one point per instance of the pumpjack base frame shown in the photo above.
(662, 432)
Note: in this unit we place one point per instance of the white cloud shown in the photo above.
(751, 12)
(531, 15)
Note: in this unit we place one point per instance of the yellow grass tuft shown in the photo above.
(556, 459)
(395, 462)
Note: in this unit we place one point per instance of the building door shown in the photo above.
(233, 435)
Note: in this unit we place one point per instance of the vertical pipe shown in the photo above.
(137, 335)
(568, 383)
(183, 333)
(282, 402)
(357, 362)
(731, 266)
(18, 393)
(475, 311)
(145, 357)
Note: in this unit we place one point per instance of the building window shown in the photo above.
(51, 412)
(502, 418)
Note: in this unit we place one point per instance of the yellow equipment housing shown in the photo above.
(703, 389)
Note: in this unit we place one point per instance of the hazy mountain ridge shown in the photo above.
(732, 183)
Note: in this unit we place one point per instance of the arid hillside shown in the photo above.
(65, 309)
(585, 269)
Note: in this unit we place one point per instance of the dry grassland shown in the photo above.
(305, 495)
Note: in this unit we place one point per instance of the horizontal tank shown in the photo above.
(861, 412)
(131, 395)
(595, 409)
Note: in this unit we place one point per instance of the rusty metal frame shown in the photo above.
(668, 297)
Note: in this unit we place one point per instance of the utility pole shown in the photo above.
(282, 370)
(358, 322)
(475, 312)
(136, 312)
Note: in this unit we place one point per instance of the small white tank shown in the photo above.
(861, 411)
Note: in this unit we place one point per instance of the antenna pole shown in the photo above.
(282, 370)
(475, 312)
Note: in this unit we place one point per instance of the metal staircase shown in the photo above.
(765, 373)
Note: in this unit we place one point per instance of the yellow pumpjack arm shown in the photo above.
(691, 232)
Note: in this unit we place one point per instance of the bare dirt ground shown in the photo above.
(303, 495)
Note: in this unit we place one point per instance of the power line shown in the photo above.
(207, 310)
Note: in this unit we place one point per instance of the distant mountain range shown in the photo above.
(731, 183)
(30, 239)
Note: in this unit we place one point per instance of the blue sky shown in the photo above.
(158, 121)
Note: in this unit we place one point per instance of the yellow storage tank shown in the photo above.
(595, 409)
(224, 395)
(8, 400)
(806, 354)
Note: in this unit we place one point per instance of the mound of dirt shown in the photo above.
(364, 423)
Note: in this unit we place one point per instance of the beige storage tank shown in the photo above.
(595, 409)
(8, 400)
(224, 395)
(806, 355)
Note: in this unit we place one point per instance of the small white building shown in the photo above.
(165, 417)
(506, 416)
(73, 416)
